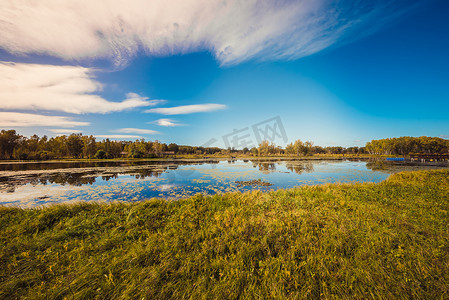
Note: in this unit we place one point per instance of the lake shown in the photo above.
(38, 184)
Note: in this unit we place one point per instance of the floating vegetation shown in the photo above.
(257, 182)
(200, 181)
(35, 187)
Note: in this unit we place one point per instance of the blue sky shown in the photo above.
(336, 73)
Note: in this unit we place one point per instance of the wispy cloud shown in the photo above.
(64, 131)
(118, 136)
(166, 123)
(58, 88)
(15, 119)
(444, 136)
(233, 30)
(136, 130)
(187, 109)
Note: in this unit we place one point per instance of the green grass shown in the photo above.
(384, 241)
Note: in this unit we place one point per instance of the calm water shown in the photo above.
(30, 185)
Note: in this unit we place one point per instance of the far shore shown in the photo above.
(202, 158)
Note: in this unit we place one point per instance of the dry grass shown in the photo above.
(386, 240)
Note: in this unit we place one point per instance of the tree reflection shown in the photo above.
(9, 184)
(265, 167)
(300, 168)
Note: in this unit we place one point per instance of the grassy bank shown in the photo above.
(386, 240)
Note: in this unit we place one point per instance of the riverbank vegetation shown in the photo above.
(406, 145)
(387, 240)
(77, 146)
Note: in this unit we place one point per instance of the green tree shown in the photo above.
(101, 154)
(157, 148)
(9, 140)
(75, 145)
(266, 148)
(307, 148)
(89, 146)
(299, 148)
(263, 148)
(173, 147)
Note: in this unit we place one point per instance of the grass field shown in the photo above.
(386, 240)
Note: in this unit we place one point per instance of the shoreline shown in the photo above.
(380, 159)
(193, 159)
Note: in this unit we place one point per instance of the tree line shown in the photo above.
(300, 148)
(15, 146)
(407, 145)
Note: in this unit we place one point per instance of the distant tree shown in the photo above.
(75, 145)
(9, 140)
(406, 144)
(254, 151)
(106, 146)
(352, 150)
(289, 149)
(43, 144)
(136, 149)
(58, 146)
(335, 150)
(32, 144)
(266, 148)
(279, 150)
(173, 147)
(318, 150)
(157, 148)
(14, 146)
(299, 148)
(89, 146)
(101, 154)
(307, 148)
(263, 148)
(115, 149)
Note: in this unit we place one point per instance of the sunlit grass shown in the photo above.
(386, 240)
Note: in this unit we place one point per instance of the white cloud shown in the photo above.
(64, 131)
(166, 123)
(233, 30)
(187, 109)
(118, 136)
(15, 119)
(136, 130)
(59, 88)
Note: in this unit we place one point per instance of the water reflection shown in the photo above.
(300, 167)
(399, 166)
(30, 166)
(70, 176)
(87, 173)
(35, 184)
(264, 167)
